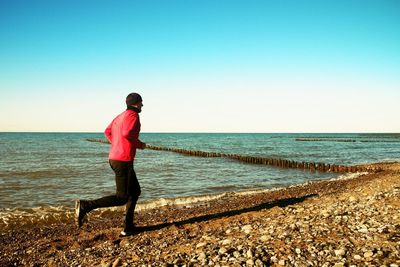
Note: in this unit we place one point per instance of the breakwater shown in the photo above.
(274, 162)
(345, 140)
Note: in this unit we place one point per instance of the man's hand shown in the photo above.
(143, 146)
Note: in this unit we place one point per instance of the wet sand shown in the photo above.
(344, 222)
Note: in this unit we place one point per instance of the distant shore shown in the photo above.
(340, 222)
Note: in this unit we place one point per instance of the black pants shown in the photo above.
(128, 190)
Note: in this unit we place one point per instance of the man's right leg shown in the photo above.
(121, 170)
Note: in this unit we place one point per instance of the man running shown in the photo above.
(123, 134)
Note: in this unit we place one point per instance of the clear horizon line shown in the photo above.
(208, 132)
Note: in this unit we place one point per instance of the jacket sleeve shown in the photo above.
(131, 130)
(107, 132)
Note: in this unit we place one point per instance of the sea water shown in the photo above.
(48, 170)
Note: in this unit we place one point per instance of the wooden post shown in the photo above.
(312, 166)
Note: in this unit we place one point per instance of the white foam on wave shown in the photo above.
(18, 217)
(179, 201)
(191, 201)
(11, 218)
(349, 176)
(198, 200)
(390, 160)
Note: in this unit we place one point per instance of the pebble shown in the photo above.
(236, 254)
(226, 241)
(206, 237)
(340, 252)
(249, 253)
(135, 258)
(201, 256)
(368, 254)
(105, 264)
(352, 199)
(117, 262)
(222, 250)
(200, 245)
(250, 262)
(247, 228)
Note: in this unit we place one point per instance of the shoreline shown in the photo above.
(48, 215)
(312, 224)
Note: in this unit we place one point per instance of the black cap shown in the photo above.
(133, 98)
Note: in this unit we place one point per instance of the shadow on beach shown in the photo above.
(277, 203)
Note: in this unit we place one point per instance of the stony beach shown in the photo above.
(342, 222)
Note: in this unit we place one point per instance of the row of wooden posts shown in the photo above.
(276, 162)
(345, 140)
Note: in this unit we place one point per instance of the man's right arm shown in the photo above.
(131, 131)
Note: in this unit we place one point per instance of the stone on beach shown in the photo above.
(247, 229)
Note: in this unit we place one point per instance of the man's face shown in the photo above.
(138, 105)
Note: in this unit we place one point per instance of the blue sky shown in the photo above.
(201, 66)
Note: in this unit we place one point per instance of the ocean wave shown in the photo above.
(11, 218)
(29, 217)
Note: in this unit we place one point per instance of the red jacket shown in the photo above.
(123, 134)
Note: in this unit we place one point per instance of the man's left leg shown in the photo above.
(134, 192)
